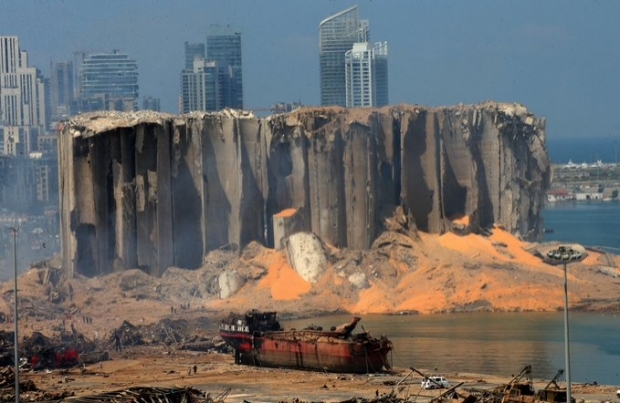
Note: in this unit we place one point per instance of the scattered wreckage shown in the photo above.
(520, 389)
(142, 394)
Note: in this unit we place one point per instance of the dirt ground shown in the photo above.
(218, 375)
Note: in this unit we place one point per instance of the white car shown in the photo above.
(435, 382)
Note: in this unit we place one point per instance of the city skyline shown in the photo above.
(557, 60)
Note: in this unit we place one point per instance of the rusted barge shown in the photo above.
(258, 339)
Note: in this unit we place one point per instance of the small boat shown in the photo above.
(258, 339)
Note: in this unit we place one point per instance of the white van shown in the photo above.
(435, 382)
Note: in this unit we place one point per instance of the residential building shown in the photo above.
(151, 104)
(61, 90)
(201, 87)
(22, 99)
(193, 51)
(337, 34)
(108, 81)
(224, 48)
(366, 75)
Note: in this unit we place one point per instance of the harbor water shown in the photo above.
(588, 223)
(497, 343)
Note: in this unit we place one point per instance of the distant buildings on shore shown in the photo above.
(584, 182)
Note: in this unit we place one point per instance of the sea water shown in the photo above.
(497, 343)
(594, 223)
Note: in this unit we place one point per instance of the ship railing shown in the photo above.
(234, 328)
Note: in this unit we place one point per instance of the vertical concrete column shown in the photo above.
(220, 170)
(123, 171)
(163, 204)
(186, 192)
(84, 219)
(457, 170)
(254, 184)
(66, 188)
(100, 165)
(419, 191)
(360, 162)
(287, 171)
(326, 186)
(146, 197)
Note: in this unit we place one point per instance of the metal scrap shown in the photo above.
(142, 394)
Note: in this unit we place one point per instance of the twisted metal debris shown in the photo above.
(149, 395)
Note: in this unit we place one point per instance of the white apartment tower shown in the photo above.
(366, 75)
(201, 89)
(22, 100)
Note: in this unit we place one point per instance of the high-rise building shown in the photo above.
(151, 104)
(213, 81)
(366, 75)
(224, 48)
(200, 87)
(62, 90)
(193, 51)
(108, 81)
(22, 99)
(337, 34)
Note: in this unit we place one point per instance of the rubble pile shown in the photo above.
(176, 333)
(28, 390)
(42, 352)
(146, 394)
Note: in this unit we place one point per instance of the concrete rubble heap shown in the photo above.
(151, 190)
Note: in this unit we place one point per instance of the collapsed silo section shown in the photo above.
(115, 193)
(235, 179)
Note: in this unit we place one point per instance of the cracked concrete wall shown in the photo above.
(152, 190)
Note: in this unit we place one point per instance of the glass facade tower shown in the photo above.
(109, 81)
(193, 51)
(224, 48)
(337, 34)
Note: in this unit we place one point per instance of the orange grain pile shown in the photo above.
(515, 247)
(471, 245)
(282, 280)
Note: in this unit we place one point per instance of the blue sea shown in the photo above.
(594, 224)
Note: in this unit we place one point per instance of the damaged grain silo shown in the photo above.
(152, 190)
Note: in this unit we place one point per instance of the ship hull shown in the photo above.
(309, 351)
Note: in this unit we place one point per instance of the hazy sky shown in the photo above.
(559, 58)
